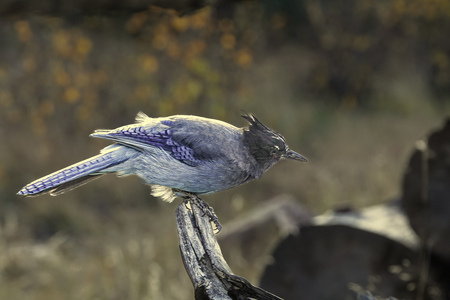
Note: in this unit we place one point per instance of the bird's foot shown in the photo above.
(206, 209)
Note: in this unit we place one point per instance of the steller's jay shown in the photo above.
(177, 155)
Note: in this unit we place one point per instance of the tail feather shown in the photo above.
(65, 187)
(70, 177)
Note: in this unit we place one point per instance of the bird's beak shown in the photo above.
(294, 155)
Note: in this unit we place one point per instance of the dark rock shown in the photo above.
(341, 262)
(426, 191)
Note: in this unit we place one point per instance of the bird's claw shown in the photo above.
(206, 209)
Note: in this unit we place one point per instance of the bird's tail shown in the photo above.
(72, 176)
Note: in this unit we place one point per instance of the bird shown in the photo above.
(179, 155)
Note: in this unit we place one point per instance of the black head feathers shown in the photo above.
(264, 143)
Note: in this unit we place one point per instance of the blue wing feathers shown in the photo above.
(139, 136)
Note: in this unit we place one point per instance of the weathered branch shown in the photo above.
(210, 274)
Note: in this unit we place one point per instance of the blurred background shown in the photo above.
(350, 84)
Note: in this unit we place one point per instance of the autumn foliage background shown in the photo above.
(350, 84)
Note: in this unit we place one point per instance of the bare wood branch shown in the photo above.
(210, 274)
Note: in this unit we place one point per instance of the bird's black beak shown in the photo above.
(294, 155)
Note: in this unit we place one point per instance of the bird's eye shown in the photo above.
(274, 150)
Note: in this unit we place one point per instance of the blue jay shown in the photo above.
(177, 155)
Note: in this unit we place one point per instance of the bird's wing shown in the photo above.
(151, 134)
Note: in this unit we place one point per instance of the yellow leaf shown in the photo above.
(23, 31)
(179, 24)
(149, 63)
(201, 19)
(61, 43)
(228, 41)
(83, 46)
(244, 58)
(136, 22)
(71, 95)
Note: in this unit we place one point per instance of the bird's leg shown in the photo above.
(205, 208)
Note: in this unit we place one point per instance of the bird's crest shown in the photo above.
(255, 124)
(261, 140)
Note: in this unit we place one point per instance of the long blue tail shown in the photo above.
(72, 176)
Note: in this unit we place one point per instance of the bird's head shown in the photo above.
(266, 145)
